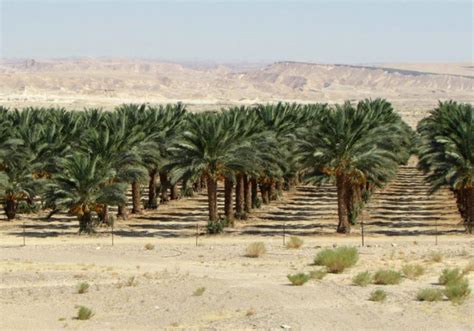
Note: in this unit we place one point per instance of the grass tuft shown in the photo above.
(82, 288)
(255, 249)
(378, 295)
(362, 279)
(468, 268)
(338, 259)
(84, 313)
(298, 279)
(294, 242)
(429, 294)
(149, 247)
(450, 276)
(413, 271)
(436, 257)
(457, 292)
(387, 277)
(199, 291)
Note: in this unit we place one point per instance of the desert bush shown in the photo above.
(149, 247)
(132, 281)
(468, 268)
(338, 259)
(215, 227)
(458, 291)
(255, 249)
(298, 279)
(378, 295)
(294, 242)
(429, 294)
(362, 279)
(82, 288)
(450, 276)
(317, 274)
(84, 313)
(436, 257)
(199, 291)
(387, 277)
(413, 271)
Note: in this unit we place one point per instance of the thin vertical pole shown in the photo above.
(284, 233)
(362, 231)
(24, 234)
(113, 221)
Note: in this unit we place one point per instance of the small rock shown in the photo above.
(394, 245)
(98, 247)
(285, 327)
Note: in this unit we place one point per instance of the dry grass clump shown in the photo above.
(338, 259)
(199, 291)
(429, 294)
(362, 279)
(255, 249)
(295, 242)
(413, 271)
(387, 277)
(458, 291)
(436, 257)
(82, 288)
(250, 312)
(132, 281)
(84, 313)
(298, 279)
(378, 295)
(149, 247)
(317, 274)
(450, 276)
(468, 268)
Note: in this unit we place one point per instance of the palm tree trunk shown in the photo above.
(163, 186)
(136, 198)
(174, 192)
(279, 188)
(122, 212)
(10, 208)
(239, 196)
(271, 192)
(264, 192)
(152, 200)
(212, 199)
(247, 194)
(469, 198)
(344, 225)
(254, 189)
(228, 208)
(85, 221)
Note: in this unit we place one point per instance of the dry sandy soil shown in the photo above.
(133, 288)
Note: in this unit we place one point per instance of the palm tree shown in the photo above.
(207, 149)
(85, 182)
(447, 153)
(347, 145)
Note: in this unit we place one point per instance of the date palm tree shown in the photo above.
(447, 153)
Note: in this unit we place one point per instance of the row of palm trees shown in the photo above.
(84, 161)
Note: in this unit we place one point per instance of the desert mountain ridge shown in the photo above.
(101, 82)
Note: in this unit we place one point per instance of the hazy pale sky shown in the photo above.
(233, 31)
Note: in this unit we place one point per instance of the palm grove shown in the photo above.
(83, 162)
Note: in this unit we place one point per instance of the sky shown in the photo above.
(352, 32)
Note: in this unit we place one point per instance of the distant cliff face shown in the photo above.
(103, 82)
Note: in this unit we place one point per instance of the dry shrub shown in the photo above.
(413, 271)
(255, 249)
(436, 257)
(387, 277)
(378, 295)
(84, 313)
(149, 247)
(294, 242)
(298, 279)
(362, 279)
(468, 268)
(450, 276)
(338, 259)
(199, 291)
(457, 292)
(132, 281)
(82, 288)
(429, 294)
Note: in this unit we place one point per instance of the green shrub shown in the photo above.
(317, 274)
(413, 271)
(82, 288)
(387, 277)
(199, 291)
(429, 294)
(450, 276)
(215, 227)
(458, 291)
(338, 259)
(378, 295)
(84, 313)
(298, 279)
(255, 249)
(294, 242)
(362, 279)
